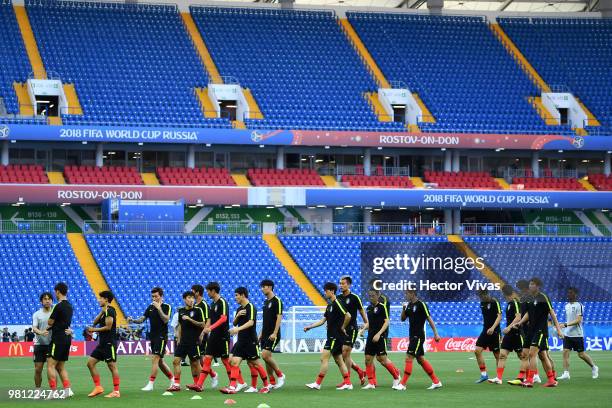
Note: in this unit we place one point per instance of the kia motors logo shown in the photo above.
(4, 132)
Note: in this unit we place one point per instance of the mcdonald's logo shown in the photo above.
(15, 349)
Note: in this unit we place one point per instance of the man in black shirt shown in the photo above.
(61, 338)
(246, 347)
(198, 292)
(376, 343)
(417, 313)
(513, 339)
(217, 331)
(159, 314)
(337, 319)
(352, 304)
(105, 324)
(538, 310)
(490, 336)
(271, 332)
(187, 338)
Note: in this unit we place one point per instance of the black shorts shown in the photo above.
(59, 352)
(217, 347)
(351, 336)
(513, 341)
(40, 353)
(246, 350)
(487, 341)
(376, 349)
(105, 352)
(187, 350)
(416, 346)
(267, 344)
(574, 344)
(539, 339)
(158, 347)
(333, 345)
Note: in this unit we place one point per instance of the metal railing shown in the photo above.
(18, 226)
(360, 228)
(374, 171)
(510, 173)
(169, 227)
(534, 229)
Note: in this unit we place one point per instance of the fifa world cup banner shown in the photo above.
(26, 349)
(131, 347)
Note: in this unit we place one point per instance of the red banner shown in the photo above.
(26, 349)
(94, 194)
(445, 344)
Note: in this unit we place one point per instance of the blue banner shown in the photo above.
(460, 198)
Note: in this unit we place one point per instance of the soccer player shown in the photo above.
(218, 336)
(538, 310)
(270, 334)
(106, 350)
(513, 339)
(159, 314)
(59, 325)
(42, 337)
(246, 347)
(574, 335)
(490, 335)
(417, 313)
(337, 319)
(187, 339)
(376, 343)
(198, 292)
(352, 304)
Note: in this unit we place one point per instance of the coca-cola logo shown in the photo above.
(402, 345)
(461, 344)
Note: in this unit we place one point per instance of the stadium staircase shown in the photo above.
(23, 99)
(150, 179)
(330, 181)
(91, 270)
(198, 42)
(241, 180)
(293, 269)
(468, 252)
(56, 177)
(38, 68)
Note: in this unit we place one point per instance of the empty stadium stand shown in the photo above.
(460, 70)
(23, 173)
(571, 53)
(32, 263)
(298, 65)
(377, 181)
(144, 76)
(549, 183)
(102, 175)
(13, 59)
(285, 177)
(205, 176)
(461, 179)
(601, 181)
(175, 262)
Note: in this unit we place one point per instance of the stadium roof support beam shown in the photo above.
(505, 5)
(435, 6)
(414, 4)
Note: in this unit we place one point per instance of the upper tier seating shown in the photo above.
(133, 264)
(549, 183)
(462, 179)
(461, 71)
(601, 181)
(102, 175)
(377, 181)
(286, 177)
(205, 176)
(32, 264)
(13, 59)
(572, 53)
(299, 65)
(23, 173)
(131, 64)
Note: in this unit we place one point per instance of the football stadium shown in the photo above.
(277, 203)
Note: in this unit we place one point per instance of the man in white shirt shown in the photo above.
(574, 334)
(42, 339)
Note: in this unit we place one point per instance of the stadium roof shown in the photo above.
(518, 6)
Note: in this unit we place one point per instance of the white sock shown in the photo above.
(483, 373)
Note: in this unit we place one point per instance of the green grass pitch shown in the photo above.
(457, 372)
